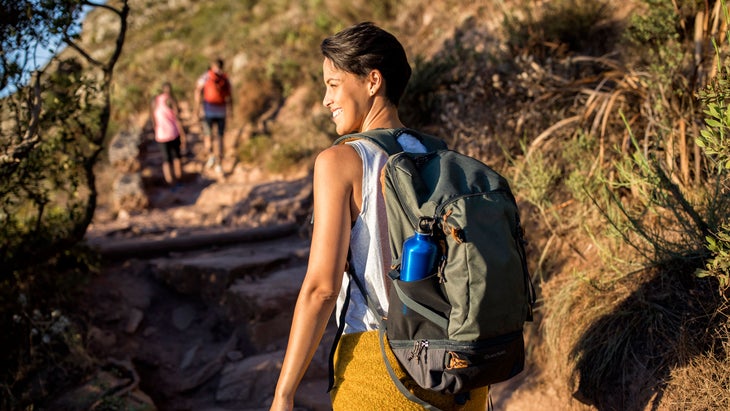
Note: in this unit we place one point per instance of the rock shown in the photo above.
(109, 385)
(135, 293)
(183, 316)
(128, 193)
(252, 380)
(209, 274)
(100, 340)
(189, 357)
(234, 356)
(221, 195)
(265, 306)
(312, 395)
(124, 152)
(206, 372)
(265, 298)
(277, 201)
(270, 334)
(135, 318)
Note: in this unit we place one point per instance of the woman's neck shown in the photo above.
(385, 117)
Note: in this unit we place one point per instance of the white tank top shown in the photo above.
(369, 242)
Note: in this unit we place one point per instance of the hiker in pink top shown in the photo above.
(169, 133)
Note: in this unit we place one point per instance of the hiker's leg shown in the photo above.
(176, 155)
(166, 160)
(206, 125)
(219, 139)
(167, 173)
(207, 141)
(177, 169)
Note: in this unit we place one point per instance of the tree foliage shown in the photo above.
(54, 117)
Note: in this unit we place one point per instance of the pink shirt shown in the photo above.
(165, 120)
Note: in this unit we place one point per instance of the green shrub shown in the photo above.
(714, 142)
(286, 156)
(254, 150)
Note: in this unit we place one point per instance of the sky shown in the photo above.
(43, 56)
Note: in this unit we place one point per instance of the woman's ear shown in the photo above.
(375, 81)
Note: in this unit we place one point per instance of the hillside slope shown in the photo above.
(498, 83)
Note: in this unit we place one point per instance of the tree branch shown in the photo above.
(84, 54)
(103, 6)
(123, 14)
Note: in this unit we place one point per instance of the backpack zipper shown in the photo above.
(456, 232)
(440, 208)
(419, 346)
(411, 217)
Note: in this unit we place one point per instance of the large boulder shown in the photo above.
(128, 193)
(124, 150)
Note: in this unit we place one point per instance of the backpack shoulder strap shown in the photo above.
(387, 139)
(383, 138)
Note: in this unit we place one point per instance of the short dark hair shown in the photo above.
(364, 47)
(218, 61)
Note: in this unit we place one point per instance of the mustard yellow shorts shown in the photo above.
(362, 382)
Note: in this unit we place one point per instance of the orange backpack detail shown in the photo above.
(216, 88)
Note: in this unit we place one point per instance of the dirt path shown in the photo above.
(173, 308)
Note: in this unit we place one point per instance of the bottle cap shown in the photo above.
(425, 225)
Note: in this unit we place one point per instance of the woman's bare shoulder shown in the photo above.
(340, 162)
(341, 156)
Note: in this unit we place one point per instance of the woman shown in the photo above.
(365, 72)
(169, 133)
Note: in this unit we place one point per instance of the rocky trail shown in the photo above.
(193, 305)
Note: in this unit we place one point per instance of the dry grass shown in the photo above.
(703, 383)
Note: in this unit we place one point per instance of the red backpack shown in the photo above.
(216, 88)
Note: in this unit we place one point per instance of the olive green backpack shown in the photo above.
(463, 325)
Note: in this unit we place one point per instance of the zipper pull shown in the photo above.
(418, 348)
(441, 268)
(414, 351)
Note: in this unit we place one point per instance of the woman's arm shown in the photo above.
(336, 170)
(183, 137)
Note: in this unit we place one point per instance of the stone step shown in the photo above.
(264, 306)
(208, 274)
(250, 382)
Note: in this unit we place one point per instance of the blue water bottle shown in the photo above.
(419, 253)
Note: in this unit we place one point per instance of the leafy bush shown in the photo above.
(714, 142)
(51, 134)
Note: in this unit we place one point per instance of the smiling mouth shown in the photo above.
(336, 112)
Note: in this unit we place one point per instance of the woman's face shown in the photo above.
(347, 97)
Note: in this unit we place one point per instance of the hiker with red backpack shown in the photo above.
(435, 343)
(213, 95)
